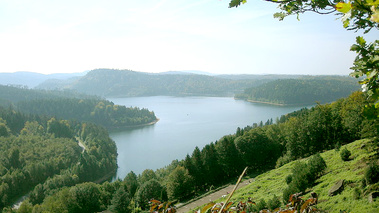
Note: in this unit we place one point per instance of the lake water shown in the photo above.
(185, 122)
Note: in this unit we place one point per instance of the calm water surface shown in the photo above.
(185, 122)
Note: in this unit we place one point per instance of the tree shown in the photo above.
(86, 197)
(257, 150)
(131, 183)
(198, 173)
(212, 168)
(355, 15)
(229, 157)
(32, 128)
(147, 174)
(4, 130)
(60, 128)
(151, 189)
(120, 201)
(179, 183)
(14, 158)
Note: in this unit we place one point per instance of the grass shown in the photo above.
(363, 152)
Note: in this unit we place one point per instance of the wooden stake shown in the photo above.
(235, 187)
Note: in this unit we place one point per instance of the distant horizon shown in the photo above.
(158, 36)
(198, 72)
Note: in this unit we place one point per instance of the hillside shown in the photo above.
(127, 83)
(364, 151)
(32, 79)
(301, 91)
(73, 106)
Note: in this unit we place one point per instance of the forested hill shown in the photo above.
(67, 105)
(302, 91)
(127, 83)
(43, 154)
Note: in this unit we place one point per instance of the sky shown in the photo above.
(51, 36)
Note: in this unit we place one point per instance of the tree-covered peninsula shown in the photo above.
(302, 91)
(73, 106)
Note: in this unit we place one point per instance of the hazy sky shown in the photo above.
(51, 36)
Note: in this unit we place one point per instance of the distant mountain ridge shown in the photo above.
(32, 79)
(128, 83)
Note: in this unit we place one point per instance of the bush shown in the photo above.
(283, 160)
(261, 204)
(273, 203)
(345, 154)
(289, 179)
(291, 189)
(316, 165)
(372, 174)
(300, 176)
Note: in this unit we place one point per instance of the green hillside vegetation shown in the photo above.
(101, 112)
(73, 106)
(301, 91)
(127, 83)
(44, 153)
(11, 94)
(353, 198)
(260, 147)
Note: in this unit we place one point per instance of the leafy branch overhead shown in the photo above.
(355, 15)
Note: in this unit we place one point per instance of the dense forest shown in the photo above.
(46, 154)
(301, 91)
(261, 147)
(83, 108)
(126, 83)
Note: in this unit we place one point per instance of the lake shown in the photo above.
(185, 122)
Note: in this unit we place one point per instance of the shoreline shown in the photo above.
(263, 102)
(276, 104)
(134, 126)
(106, 177)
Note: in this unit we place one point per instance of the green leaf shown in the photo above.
(343, 7)
(361, 41)
(373, 74)
(355, 47)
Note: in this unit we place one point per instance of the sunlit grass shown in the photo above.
(273, 182)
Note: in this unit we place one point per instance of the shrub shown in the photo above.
(273, 203)
(372, 174)
(261, 204)
(303, 175)
(345, 154)
(300, 176)
(283, 160)
(291, 189)
(316, 165)
(289, 179)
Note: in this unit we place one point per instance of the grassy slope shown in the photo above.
(273, 182)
